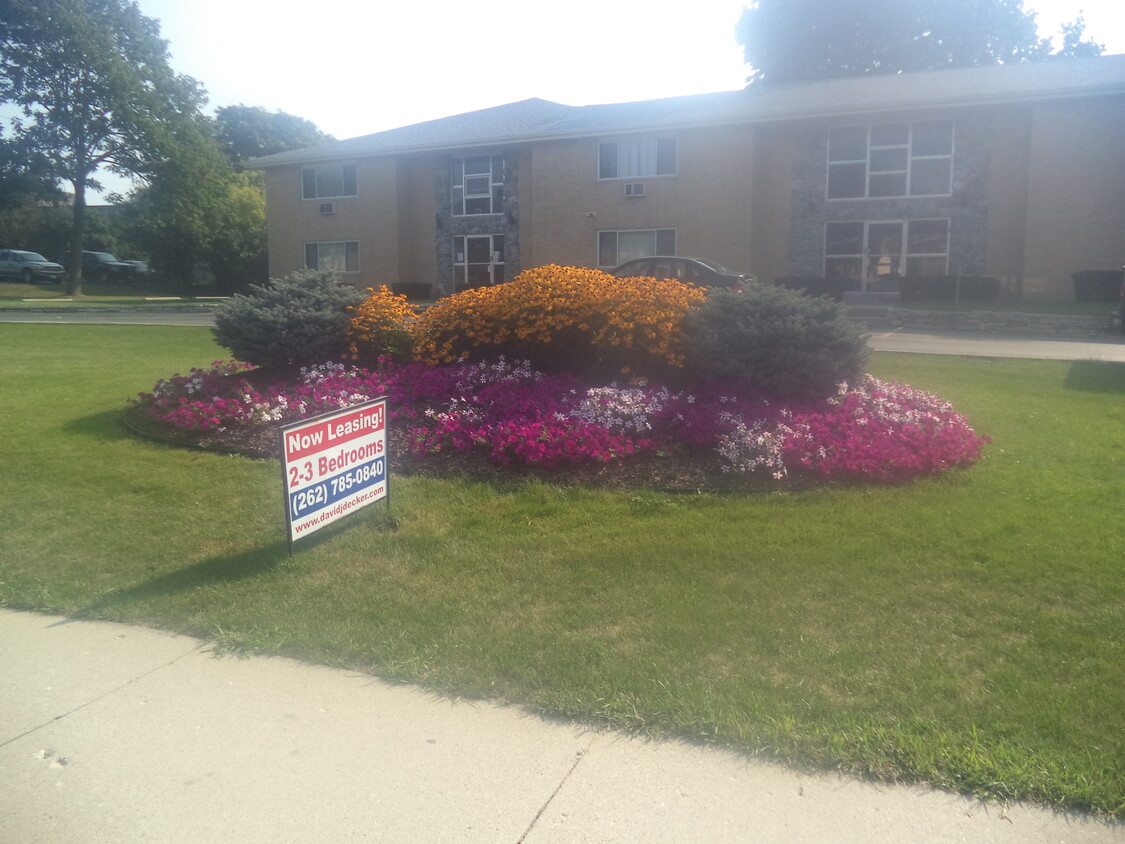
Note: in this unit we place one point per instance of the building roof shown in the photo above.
(536, 119)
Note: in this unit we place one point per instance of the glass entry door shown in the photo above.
(478, 261)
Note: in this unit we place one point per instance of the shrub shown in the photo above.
(819, 285)
(416, 290)
(381, 327)
(1097, 285)
(973, 288)
(301, 319)
(781, 342)
(564, 319)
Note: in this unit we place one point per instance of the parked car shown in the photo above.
(102, 266)
(140, 267)
(693, 270)
(29, 266)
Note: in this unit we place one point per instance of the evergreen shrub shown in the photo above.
(969, 288)
(286, 323)
(1097, 285)
(781, 342)
(834, 287)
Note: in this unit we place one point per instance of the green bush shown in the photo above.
(299, 320)
(418, 291)
(785, 343)
(1097, 285)
(968, 288)
(819, 285)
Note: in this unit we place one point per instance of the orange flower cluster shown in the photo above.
(381, 326)
(565, 318)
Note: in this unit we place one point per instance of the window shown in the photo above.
(868, 251)
(635, 159)
(897, 159)
(340, 257)
(328, 181)
(478, 185)
(617, 247)
(478, 261)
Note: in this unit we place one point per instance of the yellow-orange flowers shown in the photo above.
(565, 318)
(381, 326)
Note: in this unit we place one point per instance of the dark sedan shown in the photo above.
(691, 270)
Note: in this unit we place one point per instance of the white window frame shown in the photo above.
(481, 185)
(317, 182)
(638, 158)
(874, 262)
(609, 247)
(464, 269)
(914, 159)
(324, 258)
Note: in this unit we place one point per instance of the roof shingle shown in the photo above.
(537, 119)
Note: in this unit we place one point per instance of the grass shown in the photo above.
(965, 631)
(95, 294)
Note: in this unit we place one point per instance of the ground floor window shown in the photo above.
(870, 252)
(478, 261)
(338, 256)
(617, 247)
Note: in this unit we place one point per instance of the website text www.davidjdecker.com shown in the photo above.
(338, 510)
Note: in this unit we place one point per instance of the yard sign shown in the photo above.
(333, 465)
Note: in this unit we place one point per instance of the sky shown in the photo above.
(354, 67)
(357, 66)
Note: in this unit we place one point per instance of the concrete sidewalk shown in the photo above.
(110, 733)
(1106, 348)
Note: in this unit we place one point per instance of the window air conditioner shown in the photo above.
(328, 208)
(635, 189)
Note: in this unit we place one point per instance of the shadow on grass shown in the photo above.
(106, 425)
(214, 571)
(1096, 376)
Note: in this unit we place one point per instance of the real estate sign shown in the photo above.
(333, 465)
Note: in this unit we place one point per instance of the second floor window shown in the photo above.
(894, 159)
(478, 185)
(637, 158)
(328, 181)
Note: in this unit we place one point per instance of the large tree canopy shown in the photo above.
(198, 210)
(804, 40)
(251, 131)
(93, 85)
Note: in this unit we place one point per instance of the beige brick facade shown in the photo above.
(1038, 187)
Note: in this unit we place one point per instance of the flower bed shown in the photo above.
(519, 419)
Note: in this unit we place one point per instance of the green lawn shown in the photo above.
(95, 295)
(967, 630)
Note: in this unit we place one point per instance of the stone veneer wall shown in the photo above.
(448, 226)
(966, 208)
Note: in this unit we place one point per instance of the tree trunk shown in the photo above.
(77, 234)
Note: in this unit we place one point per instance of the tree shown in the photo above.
(92, 81)
(1073, 44)
(804, 40)
(199, 210)
(22, 177)
(250, 132)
